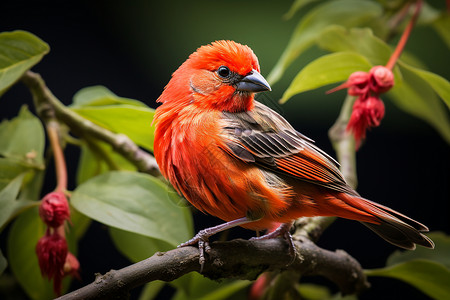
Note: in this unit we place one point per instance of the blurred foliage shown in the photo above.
(428, 271)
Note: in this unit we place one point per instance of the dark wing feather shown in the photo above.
(264, 137)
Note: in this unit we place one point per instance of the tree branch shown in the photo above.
(233, 259)
(48, 106)
(311, 227)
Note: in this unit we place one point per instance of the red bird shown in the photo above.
(237, 159)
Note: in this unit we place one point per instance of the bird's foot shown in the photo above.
(283, 231)
(202, 240)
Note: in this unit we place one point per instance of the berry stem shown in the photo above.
(60, 162)
(61, 231)
(404, 38)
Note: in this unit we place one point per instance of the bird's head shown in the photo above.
(221, 76)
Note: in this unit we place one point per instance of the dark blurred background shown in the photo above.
(132, 47)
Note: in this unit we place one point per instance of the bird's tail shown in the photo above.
(391, 225)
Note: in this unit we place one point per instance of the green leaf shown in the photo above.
(100, 96)
(296, 6)
(224, 290)
(151, 290)
(440, 254)
(310, 291)
(89, 165)
(441, 25)
(202, 288)
(8, 201)
(96, 158)
(439, 84)
(3, 262)
(362, 40)
(135, 202)
(359, 40)
(25, 232)
(137, 247)
(23, 139)
(431, 278)
(79, 224)
(348, 13)
(32, 186)
(426, 269)
(19, 51)
(415, 96)
(118, 114)
(131, 120)
(30, 189)
(9, 169)
(327, 69)
(428, 14)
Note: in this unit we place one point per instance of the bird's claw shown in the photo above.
(202, 240)
(292, 250)
(203, 247)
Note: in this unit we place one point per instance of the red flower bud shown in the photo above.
(72, 265)
(381, 79)
(259, 287)
(367, 112)
(368, 109)
(54, 209)
(52, 251)
(374, 111)
(358, 83)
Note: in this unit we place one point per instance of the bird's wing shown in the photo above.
(263, 137)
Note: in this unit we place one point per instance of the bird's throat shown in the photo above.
(234, 102)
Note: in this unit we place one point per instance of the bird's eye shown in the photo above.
(223, 72)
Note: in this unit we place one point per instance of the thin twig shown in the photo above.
(48, 106)
(404, 38)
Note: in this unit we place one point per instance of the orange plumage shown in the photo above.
(236, 159)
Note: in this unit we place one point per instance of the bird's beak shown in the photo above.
(253, 82)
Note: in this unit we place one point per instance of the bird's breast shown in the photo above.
(195, 162)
